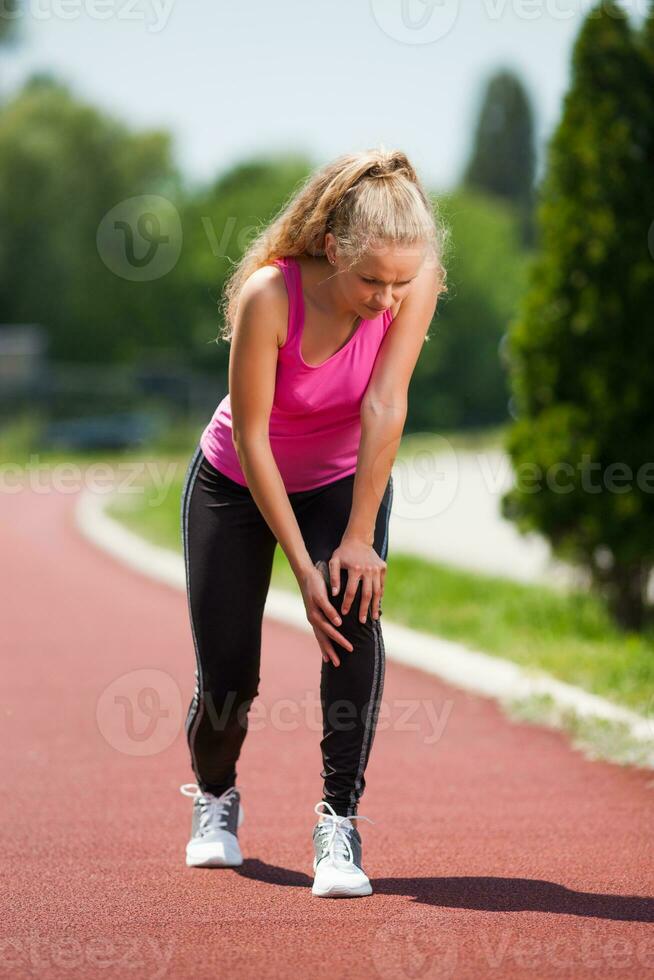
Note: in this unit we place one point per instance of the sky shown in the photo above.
(320, 77)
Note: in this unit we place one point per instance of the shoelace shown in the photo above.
(213, 815)
(336, 835)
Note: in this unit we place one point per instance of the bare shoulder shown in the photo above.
(423, 292)
(258, 329)
(263, 303)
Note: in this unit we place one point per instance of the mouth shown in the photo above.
(374, 310)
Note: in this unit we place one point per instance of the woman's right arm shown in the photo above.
(259, 328)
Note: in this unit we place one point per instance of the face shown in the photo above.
(380, 279)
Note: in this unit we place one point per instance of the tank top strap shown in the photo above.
(289, 266)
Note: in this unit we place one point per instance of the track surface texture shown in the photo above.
(496, 850)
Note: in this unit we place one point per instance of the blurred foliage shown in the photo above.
(582, 347)
(219, 223)
(9, 19)
(503, 156)
(64, 165)
(459, 381)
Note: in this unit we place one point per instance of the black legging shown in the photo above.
(228, 550)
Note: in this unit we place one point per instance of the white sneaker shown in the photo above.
(215, 823)
(337, 860)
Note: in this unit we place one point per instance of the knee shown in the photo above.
(351, 627)
(224, 709)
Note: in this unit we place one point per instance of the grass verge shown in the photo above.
(569, 636)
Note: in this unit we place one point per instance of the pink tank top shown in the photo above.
(315, 426)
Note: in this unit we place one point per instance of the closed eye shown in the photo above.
(404, 283)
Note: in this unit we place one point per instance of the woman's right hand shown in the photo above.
(320, 612)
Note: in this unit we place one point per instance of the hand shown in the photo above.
(321, 613)
(362, 563)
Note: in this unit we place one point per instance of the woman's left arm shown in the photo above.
(383, 414)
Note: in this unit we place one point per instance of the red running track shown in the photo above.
(496, 850)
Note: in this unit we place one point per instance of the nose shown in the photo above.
(385, 298)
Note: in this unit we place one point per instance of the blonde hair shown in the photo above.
(361, 198)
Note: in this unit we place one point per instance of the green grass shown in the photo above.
(569, 636)
(597, 738)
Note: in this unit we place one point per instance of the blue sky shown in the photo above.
(321, 76)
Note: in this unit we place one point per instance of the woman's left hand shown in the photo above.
(362, 563)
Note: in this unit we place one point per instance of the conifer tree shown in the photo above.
(581, 350)
(502, 162)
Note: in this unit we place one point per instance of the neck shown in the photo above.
(327, 295)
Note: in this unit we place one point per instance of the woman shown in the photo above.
(327, 313)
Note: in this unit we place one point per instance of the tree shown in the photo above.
(646, 46)
(220, 222)
(9, 34)
(502, 162)
(63, 166)
(8, 15)
(459, 380)
(581, 349)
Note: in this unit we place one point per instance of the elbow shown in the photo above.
(392, 409)
(242, 450)
(249, 442)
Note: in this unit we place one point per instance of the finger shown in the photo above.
(329, 630)
(377, 594)
(350, 591)
(327, 650)
(340, 639)
(332, 657)
(326, 608)
(324, 624)
(366, 596)
(335, 574)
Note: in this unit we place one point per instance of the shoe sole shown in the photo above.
(337, 892)
(215, 861)
(340, 891)
(219, 860)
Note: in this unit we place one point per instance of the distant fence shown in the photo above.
(59, 390)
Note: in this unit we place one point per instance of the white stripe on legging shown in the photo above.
(191, 726)
(377, 677)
